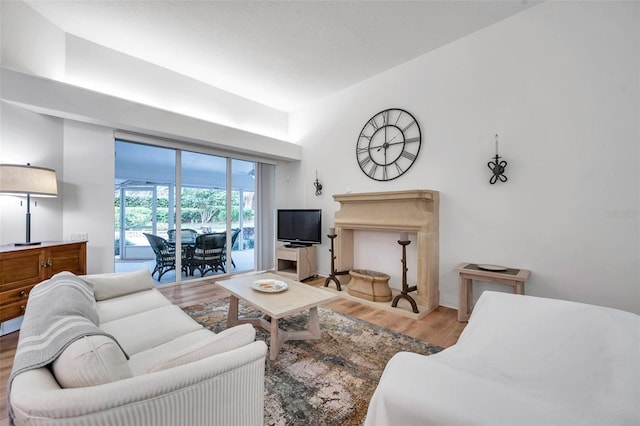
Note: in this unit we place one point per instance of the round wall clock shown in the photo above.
(388, 144)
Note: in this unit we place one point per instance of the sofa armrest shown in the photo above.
(227, 388)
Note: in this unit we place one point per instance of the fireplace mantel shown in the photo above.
(415, 211)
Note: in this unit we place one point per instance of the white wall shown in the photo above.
(560, 84)
(105, 70)
(83, 157)
(32, 45)
(89, 174)
(27, 137)
(63, 100)
(87, 73)
(29, 42)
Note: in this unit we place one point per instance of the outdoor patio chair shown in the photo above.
(209, 253)
(165, 255)
(234, 237)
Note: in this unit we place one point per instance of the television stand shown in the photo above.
(297, 245)
(296, 263)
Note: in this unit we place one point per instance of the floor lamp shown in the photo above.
(27, 181)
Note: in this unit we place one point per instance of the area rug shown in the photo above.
(320, 382)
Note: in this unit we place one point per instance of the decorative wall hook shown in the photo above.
(497, 167)
(317, 185)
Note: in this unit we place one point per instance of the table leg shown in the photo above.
(518, 288)
(232, 316)
(465, 298)
(314, 323)
(276, 340)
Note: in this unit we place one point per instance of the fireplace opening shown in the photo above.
(380, 251)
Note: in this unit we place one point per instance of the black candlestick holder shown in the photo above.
(333, 275)
(406, 289)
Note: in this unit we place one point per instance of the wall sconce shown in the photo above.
(30, 181)
(317, 185)
(497, 167)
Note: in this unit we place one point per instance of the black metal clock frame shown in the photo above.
(388, 144)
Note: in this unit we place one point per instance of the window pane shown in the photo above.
(144, 204)
(204, 210)
(243, 214)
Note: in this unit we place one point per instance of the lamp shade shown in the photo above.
(27, 180)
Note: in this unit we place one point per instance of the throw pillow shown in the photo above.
(224, 341)
(107, 286)
(90, 361)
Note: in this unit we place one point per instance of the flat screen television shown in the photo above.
(299, 227)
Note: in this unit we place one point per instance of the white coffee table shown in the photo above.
(275, 306)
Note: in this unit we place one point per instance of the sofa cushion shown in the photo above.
(91, 361)
(130, 304)
(151, 328)
(225, 341)
(106, 286)
(141, 362)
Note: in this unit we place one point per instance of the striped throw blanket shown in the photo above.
(60, 311)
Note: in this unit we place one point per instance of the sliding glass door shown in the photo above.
(144, 200)
(243, 212)
(215, 203)
(203, 210)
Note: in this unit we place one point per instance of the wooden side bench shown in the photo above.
(471, 271)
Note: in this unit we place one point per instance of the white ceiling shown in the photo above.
(279, 53)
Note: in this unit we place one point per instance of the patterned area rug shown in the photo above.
(320, 382)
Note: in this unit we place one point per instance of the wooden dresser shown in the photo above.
(23, 267)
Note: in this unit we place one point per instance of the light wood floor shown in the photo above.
(440, 327)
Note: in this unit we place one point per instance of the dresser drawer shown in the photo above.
(12, 310)
(15, 295)
(287, 254)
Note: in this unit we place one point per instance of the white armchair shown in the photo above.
(521, 360)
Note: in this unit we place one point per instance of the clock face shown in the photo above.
(388, 144)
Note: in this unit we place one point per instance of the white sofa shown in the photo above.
(521, 360)
(177, 373)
